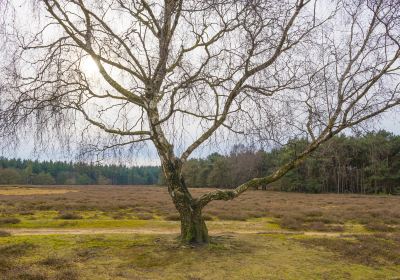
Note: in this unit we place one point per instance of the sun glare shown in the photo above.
(88, 66)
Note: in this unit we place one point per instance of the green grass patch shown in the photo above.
(52, 223)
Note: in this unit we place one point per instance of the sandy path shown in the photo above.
(51, 231)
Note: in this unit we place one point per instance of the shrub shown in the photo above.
(173, 217)
(379, 227)
(67, 274)
(18, 249)
(88, 253)
(207, 217)
(144, 216)
(243, 216)
(26, 274)
(320, 226)
(69, 216)
(367, 250)
(4, 233)
(291, 223)
(27, 213)
(313, 213)
(9, 220)
(118, 216)
(54, 261)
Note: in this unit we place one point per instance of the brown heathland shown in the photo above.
(319, 212)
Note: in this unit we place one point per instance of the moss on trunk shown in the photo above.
(193, 228)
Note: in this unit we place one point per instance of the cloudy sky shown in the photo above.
(147, 155)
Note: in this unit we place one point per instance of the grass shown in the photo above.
(88, 223)
(369, 250)
(153, 257)
(262, 235)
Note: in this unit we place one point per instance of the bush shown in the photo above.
(119, 216)
(320, 226)
(229, 216)
(291, 223)
(379, 227)
(207, 217)
(54, 261)
(69, 216)
(9, 220)
(68, 274)
(144, 216)
(173, 217)
(26, 274)
(13, 250)
(367, 250)
(4, 233)
(27, 213)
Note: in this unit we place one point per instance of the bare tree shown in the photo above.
(178, 73)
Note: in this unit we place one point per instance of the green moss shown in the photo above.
(92, 223)
(355, 228)
(90, 219)
(273, 226)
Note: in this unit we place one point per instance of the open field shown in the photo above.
(105, 232)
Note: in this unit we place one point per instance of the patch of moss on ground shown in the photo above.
(355, 228)
(81, 223)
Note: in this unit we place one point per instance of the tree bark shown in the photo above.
(193, 226)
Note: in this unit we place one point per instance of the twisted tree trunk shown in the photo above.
(193, 226)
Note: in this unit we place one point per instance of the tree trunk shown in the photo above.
(193, 227)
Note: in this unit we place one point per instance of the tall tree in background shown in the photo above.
(181, 73)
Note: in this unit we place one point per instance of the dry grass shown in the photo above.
(234, 255)
(321, 212)
(371, 250)
(11, 268)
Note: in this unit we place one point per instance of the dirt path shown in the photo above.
(51, 231)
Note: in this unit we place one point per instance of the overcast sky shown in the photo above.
(390, 122)
(148, 156)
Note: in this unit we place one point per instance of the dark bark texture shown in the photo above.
(193, 227)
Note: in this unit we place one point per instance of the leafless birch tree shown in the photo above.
(175, 73)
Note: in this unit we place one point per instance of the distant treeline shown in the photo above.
(364, 164)
(17, 171)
